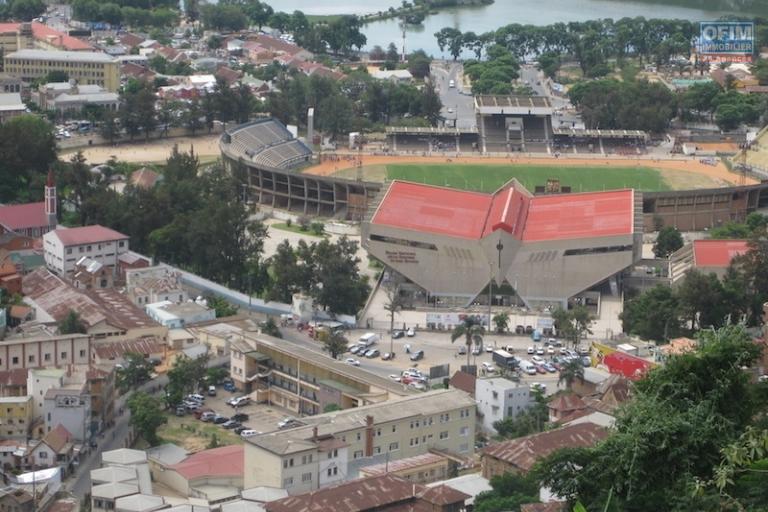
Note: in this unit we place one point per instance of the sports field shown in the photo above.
(487, 178)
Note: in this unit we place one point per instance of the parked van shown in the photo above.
(249, 433)
(211, 390)
(369, 339)
(527, 367)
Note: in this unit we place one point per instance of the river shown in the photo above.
(503, 12)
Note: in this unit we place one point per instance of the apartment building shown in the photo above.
(69, 406)
(499, 399)
(333, 447)
(300, 380)
(15, 417)
(64, 350)
(62, 248)
(87, 68)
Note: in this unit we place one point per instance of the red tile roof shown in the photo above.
(43, 32)
(524, 452)
(88, 235)
(464, 214)
(717, 253)
(23, 216)
(217, 462)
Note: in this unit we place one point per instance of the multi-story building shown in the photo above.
(69, 406)
(62, 248)
(89, 68)
(67, 349)
(499, 399)
(20, 36)
(332, 447)
(300, 380)
(15, 416)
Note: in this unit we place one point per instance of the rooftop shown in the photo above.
(11, 101)
(717, 253)
(23, 216)
(140, 503)
(124, 456)
(113, 490)
(61, 56)
(58, 438)
(524, 452)
(87, 234)
(403, 464)
(216, 462)
(473, 215)
(43, 32)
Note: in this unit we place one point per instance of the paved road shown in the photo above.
(458, 105)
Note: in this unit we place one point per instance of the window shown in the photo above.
(358, 454)
(359, 436)
(69, 250)
(378, 432)
(121, 243)
(377, 450)
(464, 413)
(287, 482)
(393, 447)
(15, 360)
(464, 432)
(444, 435)
(63, 355)
(287, 463)
(89, 248)
(333, 471)
(414, 441)
(394, 428)
(82, 353)
(43, 455)
(47, 357)
(31, 358)
(306, 477)
(333, 453)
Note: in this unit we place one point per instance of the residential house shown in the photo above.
(564, 405)
(16, 500)
(154, 284)
(15, 417)
(463, 381)
(90, 274)
(33, 352)
(385, 493)
(519, 455)
(399, 76)
(217, 336)
(11, 106)
(10, 279)
(13, 382)
(114, 352)
(499, 399)
(334, 446)
(57, 448)
(64, 247)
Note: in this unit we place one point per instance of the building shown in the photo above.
(64, 247)
(154, 284)
(70, 407)
(110, 352)
(333, 447)
(499, 399)
(385, 493)
(31, 219)
(22, 353)
(215, 474)
(297, 379)
(16, 500)
(706, 256)
(11, 106)
(521, 454)
(57, 448)
(395, 75)
(70, 98)
(89, 274)
(178, 316)
(421, 469)
(542, 250)
(87, 68)
(15, 417)
(20, 36)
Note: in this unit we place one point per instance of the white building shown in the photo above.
(177, 316)
(11, 106)
(69, 406)
(64, 247)
(39, 381)
(498, 399)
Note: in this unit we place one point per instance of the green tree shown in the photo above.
(214, 442)
(510, 491)
(185, 377)
(27, 151)
(340, 287)
(72, 324)
(146, 416)
(652, 315)
(331, 408)
(25, 10)
(222, 16)
(701, 300)
(270, 328)
(450, 39)
(431, 105)
(472, 330)
(215, 376)
(571, 371)
(394, 304)
(530, 421)
(501, 320)
(668, 241)
(135, 371)
(221, 306)
(335, 344)
(572, 324)
(419, 64)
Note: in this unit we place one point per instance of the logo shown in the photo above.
(727, 38)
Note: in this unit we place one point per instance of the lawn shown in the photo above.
(488, 178)
(194, 435)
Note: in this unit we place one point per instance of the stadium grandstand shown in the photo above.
(266, 142)
(514, 123)
(406, 139)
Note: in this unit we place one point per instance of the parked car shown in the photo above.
(231, 424)
(539, 351)
(239, 430)
(198, 413)
(417, 385)
(191, 406)
(241, 417)
(353, 361)
(386, 356)
(416, 356)
(211, 390)
(218, 420)
(488, 367)
(462, 350)
(372, 353)
(476, 350)
(398, 334)
(539, 386)
(531, 350)
(288, 422)
(540, 369)
(230, 386)
(196, 397)
(410, 332)
(563, 351)
(537, 359)
(208, 416)
(356, 349)
(181, 410)
(550, 368)
(586, 361)
(241, 401)
(249, 433)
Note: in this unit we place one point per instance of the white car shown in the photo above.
(489, 349)
(410, 332)
(540, 386)
(249, 433)
(353, 361)
(539, 351)
(563, 351)
(531, 350)
(488, 367)
(550, 351)
(537, 359)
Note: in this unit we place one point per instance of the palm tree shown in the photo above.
(571, 371)
(395, 303)
(472, 330)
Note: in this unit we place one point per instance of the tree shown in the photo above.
(135, 371)
(572, 324)
(109, 129)
(510, 490)
(339, 286)
(214, 376)
(221, 306)
(270, 328)
(419, 64)
(27, 151)
(571, 371)
(669, 435)
(451, 39)
(185, 377)
(472, 330)
(224, 17)
(331, 408)
(25, 10)
(431, 105)
(72, 324)
(530, 421)
(394, 304)
(701, 300)
(668, 241)
(335, 344)
(146, 416)
(652, 315)
(214, 442)
(502, 322)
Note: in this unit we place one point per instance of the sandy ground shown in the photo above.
(205, 147)
(680, 173)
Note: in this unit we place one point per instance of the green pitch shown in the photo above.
(488, 178)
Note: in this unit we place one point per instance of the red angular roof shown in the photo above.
(216, 462)
(717, 253)
(23, 216)
(88, 235)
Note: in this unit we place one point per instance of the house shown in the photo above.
(63, 247)
(13, 383)
(401, 76)
(519, 455)
(57, 448)
(16, 500)
(177, 316)
(564, 405)
(499, 398)
(471, 484)
(463, 381)
(89, 274)
(101, 386)
(11, 106)
(10, 279)
(31, 219)
(67, 97)
(113, 352)
(676, 347)
(210, 474)
(280, 47)
(382, 493)
(69, 407)
(15, 417)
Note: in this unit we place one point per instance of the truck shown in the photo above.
(504, 359)
(368, 339)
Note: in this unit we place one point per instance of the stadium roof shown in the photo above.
(717, 253)
(473, 215)
(513, 101)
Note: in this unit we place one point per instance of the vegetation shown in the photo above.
(572, 371)
(27, 151)
(135, 13)
(23, 10)
(510, 491)
(146, 416)
(335, 344)
(270, 328)
(472, 330)
(494, 75)
(501, 321)
(668, 241)
(573, 324)
(72, 324)
(530, 421)
(185, 377)
(221, 306)
(135, 371)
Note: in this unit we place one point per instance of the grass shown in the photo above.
(294, 228)
(488, 178)
(193, 434)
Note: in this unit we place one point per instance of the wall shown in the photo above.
(55, 351)
(516, 397)
(261, 468)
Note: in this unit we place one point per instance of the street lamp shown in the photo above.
(499, 248)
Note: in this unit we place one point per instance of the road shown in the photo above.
(458, 104)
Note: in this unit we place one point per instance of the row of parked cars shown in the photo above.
(195, 403)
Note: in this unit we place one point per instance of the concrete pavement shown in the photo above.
(458, 104)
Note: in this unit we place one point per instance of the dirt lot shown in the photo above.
(206, 147)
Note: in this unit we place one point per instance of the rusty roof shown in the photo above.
(15, 377)
(567, 402)
(117, 349)
(524, 452)
(403, 464)
(57, 438)
(464, 381)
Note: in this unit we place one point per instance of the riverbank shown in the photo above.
(416, 13)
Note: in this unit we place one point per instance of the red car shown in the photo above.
(540, 369)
